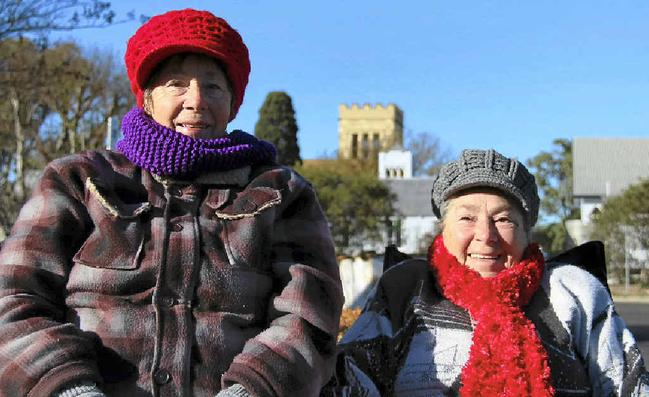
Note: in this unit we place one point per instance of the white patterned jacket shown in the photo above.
(411, 341)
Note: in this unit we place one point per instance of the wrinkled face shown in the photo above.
(191, 95)
(485, 231)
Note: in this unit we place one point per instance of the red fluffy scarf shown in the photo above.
(506, 357)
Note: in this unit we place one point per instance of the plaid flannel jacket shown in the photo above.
(157, 287)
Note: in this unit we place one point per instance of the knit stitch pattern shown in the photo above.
(165, 152)
(181, 31)
(487, 168)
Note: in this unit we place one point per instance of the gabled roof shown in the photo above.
(413, 195)
(606, 166)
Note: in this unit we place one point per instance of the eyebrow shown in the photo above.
(470, 207)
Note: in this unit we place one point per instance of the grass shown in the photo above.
(634, 292)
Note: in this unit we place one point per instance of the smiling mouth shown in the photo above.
(480, 256)
(194, 126)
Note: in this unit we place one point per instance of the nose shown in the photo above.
(485, 230)
(194, 97)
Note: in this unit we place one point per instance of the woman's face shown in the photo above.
(191, 95)
(484, 231)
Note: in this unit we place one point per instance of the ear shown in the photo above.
(232, 102)
(147, 103)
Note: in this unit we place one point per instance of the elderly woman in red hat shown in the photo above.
(187, 263)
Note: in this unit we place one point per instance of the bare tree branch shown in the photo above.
(42, 16)
(428, 153)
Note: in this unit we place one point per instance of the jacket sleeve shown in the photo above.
(295, 355)
(364, 367)
(39, 351)
(611, 354)
(372, 350)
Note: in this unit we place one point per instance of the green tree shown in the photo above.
(357, 204)
(58, 102)
(27, 81)
(277, 125)
(553, 173)
(90, 90)
(22, 84)
(623, 223)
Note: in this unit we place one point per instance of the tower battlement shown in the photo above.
(369, 106)
(364, 130)
(371, 111)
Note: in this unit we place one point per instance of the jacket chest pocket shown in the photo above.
(247, 223)
(117, 241)
(249, 203)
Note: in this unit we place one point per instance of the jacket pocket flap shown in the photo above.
(113, 205)
(120, 228)
(250, 202)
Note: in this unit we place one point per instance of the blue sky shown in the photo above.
(512, 75)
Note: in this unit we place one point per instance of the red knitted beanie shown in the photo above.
(181, 31)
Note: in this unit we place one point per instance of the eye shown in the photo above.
(466, 218)
(175, 83)
(505, 220)
(213, 86)
(213, 89)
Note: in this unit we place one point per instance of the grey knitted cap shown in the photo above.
(487, 168)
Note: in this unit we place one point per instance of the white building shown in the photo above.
(602, 168)
(395, 164)
(414, 223)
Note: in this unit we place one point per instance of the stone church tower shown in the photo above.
(363, 131)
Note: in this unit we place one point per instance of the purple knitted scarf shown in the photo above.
(165, 152)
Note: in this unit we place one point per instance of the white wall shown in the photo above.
(395, 164)
(413, 228)
(586, 207)
(578, 231)
(357, 275)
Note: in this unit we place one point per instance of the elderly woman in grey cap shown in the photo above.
(485, 315)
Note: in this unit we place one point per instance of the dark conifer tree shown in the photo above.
(277, 125)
